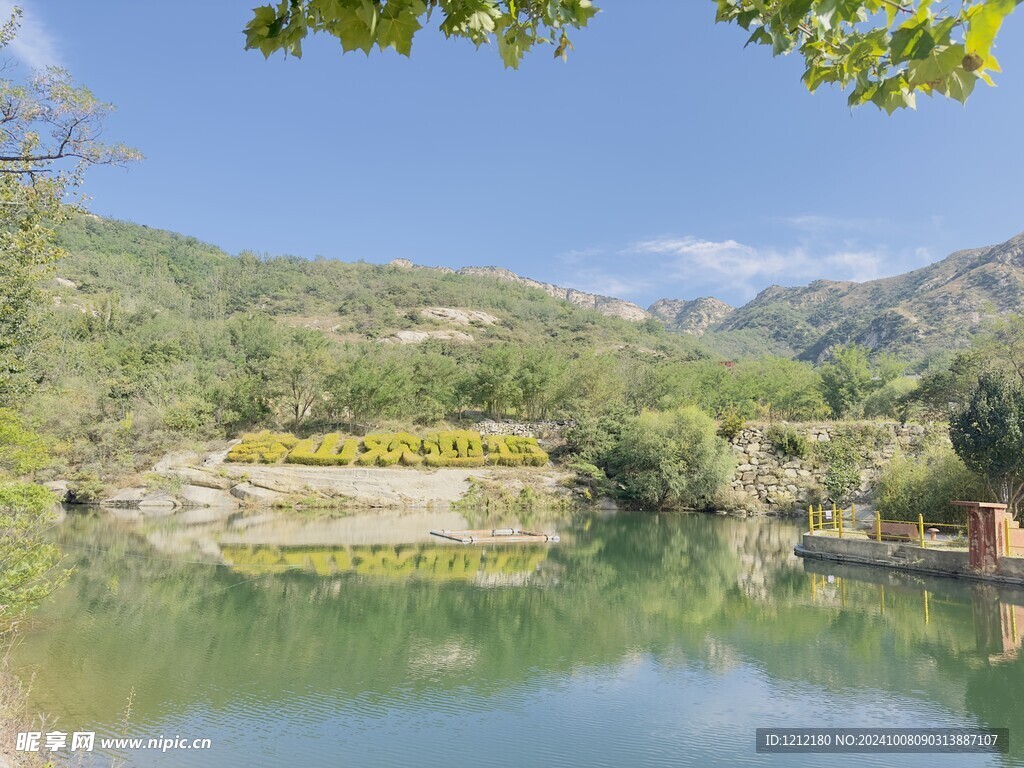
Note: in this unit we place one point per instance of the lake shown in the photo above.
(637, 640)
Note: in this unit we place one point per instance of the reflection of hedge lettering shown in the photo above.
(421, 561)
(264, 447)
(327, 455)
(460, 448)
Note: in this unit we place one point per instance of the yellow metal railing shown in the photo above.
(829, 519)
(914, 531)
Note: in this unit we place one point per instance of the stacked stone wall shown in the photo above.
(765, 474)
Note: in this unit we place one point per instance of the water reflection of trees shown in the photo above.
(709, 590)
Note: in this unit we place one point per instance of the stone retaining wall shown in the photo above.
(507, 427)
(766, 475)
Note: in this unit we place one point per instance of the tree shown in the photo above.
(670, 459)
(372, 384)
(301, 370)
(49, 135)
(28, 560)
(363, 25)
(495, 385)
(884, 51)
(988, 434)
(847, 380)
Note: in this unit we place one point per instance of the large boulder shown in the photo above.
(252, 494)
(204, 496)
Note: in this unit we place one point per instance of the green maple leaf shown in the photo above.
(397, 25)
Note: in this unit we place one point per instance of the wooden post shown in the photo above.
(840, 523)
(920, 529)
(878, 525)
(810, 518)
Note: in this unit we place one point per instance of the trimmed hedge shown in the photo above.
(327, 455)
(458, 448)
(262, 447)
(388, 450)
(515, 451)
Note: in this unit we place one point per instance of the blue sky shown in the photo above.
(663, 160)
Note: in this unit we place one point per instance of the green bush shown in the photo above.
(890, 401)
(671, 459)
(327, 454)
(528, 448)
(499, 453)
(85, 488)
(787, 440)
(842, 468)
(408, 448)
(515, 451)
(926, 484)
(460, 448)
(731, 423)
(262, 447)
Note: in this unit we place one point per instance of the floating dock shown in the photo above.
(496, 536)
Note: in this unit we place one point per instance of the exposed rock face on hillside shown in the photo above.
(459, 316)
(935, 307)
(606, 305)
(693, 317)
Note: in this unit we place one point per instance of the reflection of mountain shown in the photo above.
(717, 596)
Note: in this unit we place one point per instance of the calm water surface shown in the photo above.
(636, 641)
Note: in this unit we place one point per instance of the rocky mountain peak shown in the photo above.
(694, 317)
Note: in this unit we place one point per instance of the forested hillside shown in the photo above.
(155, 338)
(155, 341)
(933, 309)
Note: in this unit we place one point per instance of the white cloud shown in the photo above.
(806, 248)
(34, 46)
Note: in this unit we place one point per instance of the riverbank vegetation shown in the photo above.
(154, 342)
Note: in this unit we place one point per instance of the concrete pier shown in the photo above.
(909, 557)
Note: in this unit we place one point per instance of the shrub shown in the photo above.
(731, 423)
(498, 452)
(262, 447)
(671, 459)
(528, 448)
(842, 468)
(327, 454)
(890, 401)
(85, 488)
(28, 558)
(787, 440)
(461, 448)
(926, 484)
(408, 447)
